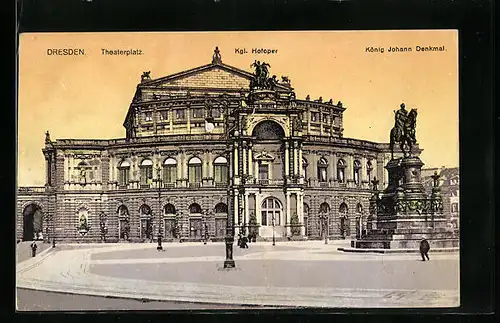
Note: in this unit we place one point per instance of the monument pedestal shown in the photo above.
(403, 214)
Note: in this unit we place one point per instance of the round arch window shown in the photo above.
(271, 210)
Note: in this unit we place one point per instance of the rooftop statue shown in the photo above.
(403, 131)
(145, 76)
(261, 76)
(216, 58)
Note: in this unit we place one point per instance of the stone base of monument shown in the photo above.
(402, 215)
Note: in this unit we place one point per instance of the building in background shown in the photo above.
(450, 188)
(193, 139)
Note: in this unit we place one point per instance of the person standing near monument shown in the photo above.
(33, 249)
(424, 248)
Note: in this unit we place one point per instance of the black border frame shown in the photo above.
(474, 20)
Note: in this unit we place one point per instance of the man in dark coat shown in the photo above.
(424, 249)
(33, 249)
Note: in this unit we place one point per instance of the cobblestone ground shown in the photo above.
(288, 274)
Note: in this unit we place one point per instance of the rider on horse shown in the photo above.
(400, 119)
(404, 130)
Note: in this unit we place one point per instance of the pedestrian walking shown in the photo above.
(33, 249)
(244, 243)
(424, 248)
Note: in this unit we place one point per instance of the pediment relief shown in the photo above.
(264, 155)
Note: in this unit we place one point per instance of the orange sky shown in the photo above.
(88, 96)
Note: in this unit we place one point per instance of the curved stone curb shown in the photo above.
(68, 272)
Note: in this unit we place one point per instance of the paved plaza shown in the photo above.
(305, 274)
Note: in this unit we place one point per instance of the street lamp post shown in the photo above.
(229, 261)
(205, 229)
(160, 220)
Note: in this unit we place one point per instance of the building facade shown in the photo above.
(203, 146)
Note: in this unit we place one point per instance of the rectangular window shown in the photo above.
(325, 118)
(263, 218)
(314, 116)
(123, 176)
(322, 176)
(170, 174)
(221, 173)
(194, 173)
(454, 207)
(197, 113)
(146, 175)
(215, 113)
(263, 171)
(164, 115)
(179, 114)
(148, 116)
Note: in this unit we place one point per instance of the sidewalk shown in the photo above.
(23, 250)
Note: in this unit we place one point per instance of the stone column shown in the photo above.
(287, 159)
(300, 212)
(364, 176)
(235, 159)
(287, 216)
(188, 125)
(300, 161)
(295, 159)
(66, 168)
(250, 161)
(308, 121)
(171, 119)
(257, 207)
(210, 164)
(350, 168)
(246, 215)
(244, 161)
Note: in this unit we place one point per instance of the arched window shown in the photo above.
(306, 209)
(169, 209)
(369, 169)
(169, 171)
(356, 171)
(220, 170)
(324, 208)
(146, 229)
(195, 208)
(268, 130)
(344, 223)
(146, 172)
(304, 167)
(84, 172)
(221, 208)
(145, 210)
(123, 211)
(123, 173)
(359, 208)
(341, 171)
(343, 209)
(323, 170)
(194, 170)
(270, 212)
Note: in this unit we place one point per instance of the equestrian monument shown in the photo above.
(403, 213)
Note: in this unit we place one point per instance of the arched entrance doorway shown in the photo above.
(32, 222)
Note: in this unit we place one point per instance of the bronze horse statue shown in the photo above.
(406, 138)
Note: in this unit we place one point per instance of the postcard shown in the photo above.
(222, 170)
